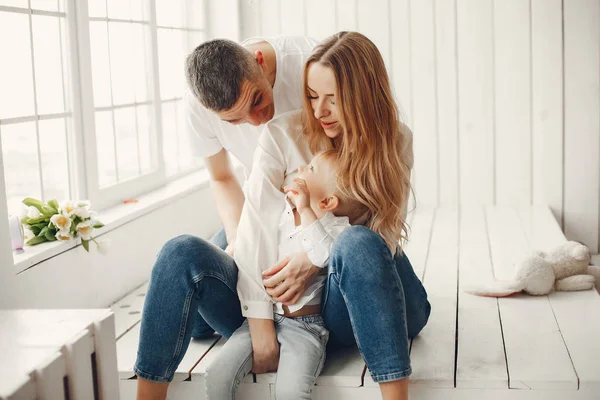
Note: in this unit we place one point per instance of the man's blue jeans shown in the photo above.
(370, 298)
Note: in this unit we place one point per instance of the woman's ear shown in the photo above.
(329, 203)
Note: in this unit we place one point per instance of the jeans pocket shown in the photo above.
(317, 330)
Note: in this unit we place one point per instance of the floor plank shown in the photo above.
(577, 313)
(536, 354)
(433, 351)
(480, 360)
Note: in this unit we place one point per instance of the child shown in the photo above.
(311, 221)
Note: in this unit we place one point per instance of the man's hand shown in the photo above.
(265, 348)
(299, 194)
(287, 280)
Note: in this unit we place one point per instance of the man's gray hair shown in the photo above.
(215, 71)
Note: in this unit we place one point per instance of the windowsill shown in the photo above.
(117, 216)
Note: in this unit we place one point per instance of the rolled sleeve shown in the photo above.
(202, 135)
(257, 236)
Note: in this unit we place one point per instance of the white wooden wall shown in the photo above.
(501, 114)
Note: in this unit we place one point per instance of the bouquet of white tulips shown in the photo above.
(50, 221)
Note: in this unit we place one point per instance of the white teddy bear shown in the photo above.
(565, 268)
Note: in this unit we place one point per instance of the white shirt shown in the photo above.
(210, 134)
(317, 241)
(281, 149)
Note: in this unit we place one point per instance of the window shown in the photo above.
(96, 116)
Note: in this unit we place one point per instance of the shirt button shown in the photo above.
(245, 308)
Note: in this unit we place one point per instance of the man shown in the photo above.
(234, 89)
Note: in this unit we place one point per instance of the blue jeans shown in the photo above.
(301, 358)
(370, 298)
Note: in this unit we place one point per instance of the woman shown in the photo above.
(372, 296)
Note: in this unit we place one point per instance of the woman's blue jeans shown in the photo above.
(370, 298)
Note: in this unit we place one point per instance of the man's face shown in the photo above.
(254, 106)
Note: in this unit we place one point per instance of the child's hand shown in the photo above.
(298, 192)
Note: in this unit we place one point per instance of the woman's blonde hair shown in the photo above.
(348, 206)
(370, 164)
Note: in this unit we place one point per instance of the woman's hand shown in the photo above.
(287, 280)
(298, 193)
(230, 248)
(265, 348)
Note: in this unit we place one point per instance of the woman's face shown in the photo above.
(322, 93)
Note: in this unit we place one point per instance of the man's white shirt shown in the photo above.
(209, 134)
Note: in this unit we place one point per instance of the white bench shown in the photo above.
(522, 347)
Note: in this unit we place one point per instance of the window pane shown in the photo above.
(186, 158)
(169, 132)
(100, 66)
(145, 134)
(16, 75)
(127, 146)
(21, 168)
(169, 13)
(49, 5)
(138, 10)
(118, 9)
(105, 150)
(14, 3)
(48, 68)
(55, 162)
(121, 62)
(195, 13)
(97, 8)
(139, 62)
(194, 39)
(171, 63)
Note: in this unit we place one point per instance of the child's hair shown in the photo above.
(348, 206)
(371, 145)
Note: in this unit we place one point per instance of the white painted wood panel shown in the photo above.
(424, 102)
(320, 18)
(536, 353)
(447, 102)
(347, 15)
(476, 100)
(373, 21)
(293, 18)
(400, 70)
(49, 378)
(582, 121)
(433, 350)
(512, 114)
(480, 360)
(547, 104)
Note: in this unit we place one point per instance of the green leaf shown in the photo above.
(98, 225)
(86, 245)
(51, 235)
(49, 211)
(34, 221)
(43, 231)
(33, 202)
(54, 204)
(35, 229)
(37, 240)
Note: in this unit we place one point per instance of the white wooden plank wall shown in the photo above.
(501, 114)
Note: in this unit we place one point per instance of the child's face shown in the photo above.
(320, 180)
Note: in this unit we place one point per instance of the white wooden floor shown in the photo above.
(521, 347)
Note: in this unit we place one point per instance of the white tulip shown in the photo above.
(82, 213)
(84, 204)
(104, 245)
(33, 212)
(85, 230)
(61, 222)
(67, 208)
(63, 236)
